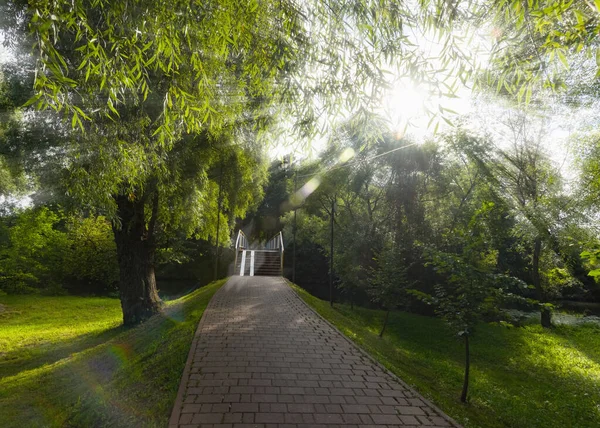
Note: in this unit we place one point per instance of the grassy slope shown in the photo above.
(64, 361)
(521, 377)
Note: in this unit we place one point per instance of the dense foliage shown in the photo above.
(459, 224)
(168, 107)
(160, 95)
(49, 251)
(461, 195)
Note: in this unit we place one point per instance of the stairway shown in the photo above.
(258, 263)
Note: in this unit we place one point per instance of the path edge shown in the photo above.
(373, 360)
(176, 412)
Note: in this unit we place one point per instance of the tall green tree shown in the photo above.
(470, 288)
(588, 159)
(530, 182)
(131, 163)
(388, 282)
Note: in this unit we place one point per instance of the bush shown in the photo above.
(90, 258)
(42, 249)
(32, 255)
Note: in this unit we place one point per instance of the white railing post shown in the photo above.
(243, 264)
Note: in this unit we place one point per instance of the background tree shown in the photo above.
(388, 283)
(45, 250)
(471, 289)
(89, 259)
(32, 258)
(526, 175)
(264, 222)
(588, 153)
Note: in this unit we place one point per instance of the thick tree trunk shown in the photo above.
(465, 389)
(385, 323)
(135, 251)
(546, 313)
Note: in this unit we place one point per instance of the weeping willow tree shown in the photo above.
(158, 94)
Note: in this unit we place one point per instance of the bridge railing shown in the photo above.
(275, 243)
(241, 242)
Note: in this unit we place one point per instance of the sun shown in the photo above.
(405, 101)
(405, 106)
(413, 108)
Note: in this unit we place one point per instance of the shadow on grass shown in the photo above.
(521, 377)
(123, 378)
(21, 360)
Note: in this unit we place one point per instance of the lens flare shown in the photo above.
(310, 186)
(347, 155)
(303, 193)
(121, 352)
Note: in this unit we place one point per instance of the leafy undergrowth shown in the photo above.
(520, 377)
(65, 361)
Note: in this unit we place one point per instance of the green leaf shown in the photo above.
(112, 107)
(562, 58)
(594, 273)
(33, 99)
(448, 121)
(83, 63)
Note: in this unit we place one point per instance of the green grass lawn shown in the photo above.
(66, 361)
(520, 377)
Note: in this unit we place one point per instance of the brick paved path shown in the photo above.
(262, 358)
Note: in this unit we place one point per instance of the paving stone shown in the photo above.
(328, 418)
(386, 419)
(263, 359)
(273, 418)
(355, 408)
(293, 418)
(409, 410)
(301, 408)
(244, 407)
(232, 418)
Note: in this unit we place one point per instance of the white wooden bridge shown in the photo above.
(264, 260)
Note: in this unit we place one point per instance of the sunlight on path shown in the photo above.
(261, 356)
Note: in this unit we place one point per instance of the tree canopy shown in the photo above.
(156, 115)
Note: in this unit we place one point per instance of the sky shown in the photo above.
(408, 105)
(5, 54)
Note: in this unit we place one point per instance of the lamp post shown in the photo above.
(331, 254)
(294, 229)
(215, 275)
